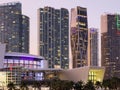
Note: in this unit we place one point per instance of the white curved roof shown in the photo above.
(23, 55)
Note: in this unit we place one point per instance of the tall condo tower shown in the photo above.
(14, 28)
(110, 44)
(93, 32)
(79, 36)
(54, 36)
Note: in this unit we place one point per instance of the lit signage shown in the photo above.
(118, 22)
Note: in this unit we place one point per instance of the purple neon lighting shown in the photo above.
(26, 58)
(73, 30)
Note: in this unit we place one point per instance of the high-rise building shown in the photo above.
(110, 44)
(14, 28)
(79, 36)
(93, 33)
(54, 36)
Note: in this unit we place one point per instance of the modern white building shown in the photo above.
(83, 74)
(16, 67)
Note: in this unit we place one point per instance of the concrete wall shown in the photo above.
(76, 74)
(83, 74)
(2, 54)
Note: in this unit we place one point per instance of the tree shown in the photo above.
(37, 84)
(23, 86)
(89, 86)
(106, 84)
(119, 84)
(114, 81)
(66, 85)
(55, 84)
(11, 86)
(70, 85)
(98, 84)
(78, 85)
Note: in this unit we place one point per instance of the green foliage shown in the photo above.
(23, 86)
(113, 83)
(78, 85)
(98, 84)
(89, 86)
(11, 86)
(57, 84)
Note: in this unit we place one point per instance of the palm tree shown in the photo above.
(46, 82)
(78, 85)
(65, 85)
(114, 83)
(23, 86)
(11, 86)
(34, 85)
(89, 86)
(55, 84)
(106, 84)
(98, 84)
(119, 84)
(37, 85)
(70, 85)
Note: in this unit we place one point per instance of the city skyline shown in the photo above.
(69, 39)
(95, 10)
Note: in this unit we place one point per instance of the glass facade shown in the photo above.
(79, 36)
(110, 44)
(19, 66)
(26, 62)
(13, 75)
(14, 28)
(96, 75)
(93, 47)
(54, 36)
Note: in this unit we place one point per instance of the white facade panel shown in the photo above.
(2, 53)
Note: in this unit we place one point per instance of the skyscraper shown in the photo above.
(110, 44)
(79, 36)
(54, 36)
(14, 28)
(93, 32)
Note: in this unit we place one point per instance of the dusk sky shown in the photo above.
(95, 9)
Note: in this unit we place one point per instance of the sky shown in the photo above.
(95, 8)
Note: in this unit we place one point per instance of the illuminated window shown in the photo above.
(35, 62)
(21, 61)
(2, 27)
(11, 11)
(13, 22)
(26, 61)
(16, 61)
(92, 76)
(10, 61)
(30, 62)
(13, 36)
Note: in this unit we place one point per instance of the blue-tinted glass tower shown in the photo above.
(14, 28)
(54, 36)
